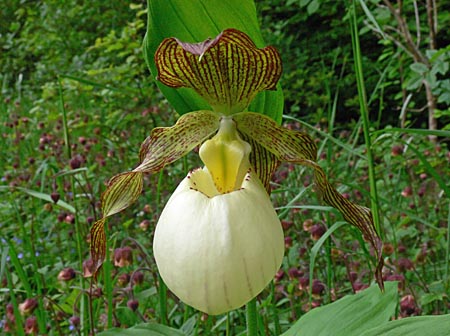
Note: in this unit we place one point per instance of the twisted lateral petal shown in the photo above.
(167, 144)
(297, 147)
(264, 163)
(163, 146)
(227, 71)
(216, 253)
(122, 191)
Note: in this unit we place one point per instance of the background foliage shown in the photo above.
(72, 71)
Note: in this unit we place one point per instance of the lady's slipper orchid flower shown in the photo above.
(218, 241)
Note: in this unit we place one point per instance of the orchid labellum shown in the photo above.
(218, 241)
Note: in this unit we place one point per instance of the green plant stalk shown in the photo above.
(252, 318)
(108, 284)
(162, 292)
(331, 119)
(79, 235)
(447, 253)
(28, 244)
(186, 313)
(64, 116)
(19, 323)
(276, 319)
(365, 118)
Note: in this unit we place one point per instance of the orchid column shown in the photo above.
(218, 241)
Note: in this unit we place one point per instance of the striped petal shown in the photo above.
(298, 147)
(163, 146)
(227, 71)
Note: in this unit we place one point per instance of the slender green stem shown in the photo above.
(78, 229)
(107, 270)
(64, 116)
(252, 318)
(447, 253)
(275, 317)
(162, 301)
(19, 323)
(162, 286)
(365, 118)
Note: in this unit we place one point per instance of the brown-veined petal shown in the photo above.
(227, 71)
(297, 147)
(163, 146)
(167, 144)
(264, 163)
(122, 191)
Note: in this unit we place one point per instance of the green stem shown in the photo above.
(365, 118)
(162, 301)
(64, 116)
(78, 229)
(252, 318)
(276, 319)
(107, 270)
(19, 323)
(447, 253)
(162, 286)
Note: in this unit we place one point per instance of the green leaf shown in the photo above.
(317, 246)
(45, 197)
(313, 7)
(413, 326)
(349, 316)
(428, 298)
(148, 329)
(195, 21)
(419, 68)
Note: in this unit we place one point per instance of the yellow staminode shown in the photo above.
(226, 157)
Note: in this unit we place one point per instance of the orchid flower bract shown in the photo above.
(218, 241)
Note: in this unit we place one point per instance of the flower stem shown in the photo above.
(252, 321)
(276, 319)
(365, 118)
(162, 301)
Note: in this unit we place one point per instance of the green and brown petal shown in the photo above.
(227, 71)
(164, 146)
(297, 147)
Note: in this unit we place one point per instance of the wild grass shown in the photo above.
(65, 159)
(58, 155)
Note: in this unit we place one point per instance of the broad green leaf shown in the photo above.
(193, 22)
(349, 316)
(413, 326)
(297, 147)
(147, 329)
